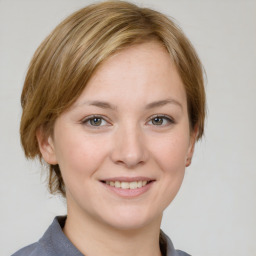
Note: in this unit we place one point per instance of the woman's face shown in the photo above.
(123, 146)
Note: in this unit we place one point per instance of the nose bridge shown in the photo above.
(130, 148)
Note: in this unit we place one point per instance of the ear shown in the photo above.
(46, 146)
(192, 142)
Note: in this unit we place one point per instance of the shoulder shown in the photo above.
(54, 242)
(45, 246)
(31, 250)
(167, 247)
(181, 253)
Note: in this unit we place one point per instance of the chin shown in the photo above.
(131, 219)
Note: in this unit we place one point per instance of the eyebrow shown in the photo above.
(159, 103)
(100, 104)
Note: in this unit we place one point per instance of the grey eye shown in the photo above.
(157, 121)
(96, 121)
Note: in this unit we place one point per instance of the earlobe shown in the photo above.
(46, 147)
(192, 143)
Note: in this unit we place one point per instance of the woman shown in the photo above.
(113, 102)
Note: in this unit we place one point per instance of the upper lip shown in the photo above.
(128, 179)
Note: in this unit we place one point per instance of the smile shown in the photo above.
(127, 185)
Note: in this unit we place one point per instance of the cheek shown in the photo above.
(171, 152)
(172, 161)
(79, 156)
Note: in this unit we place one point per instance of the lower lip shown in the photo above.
(129, 193)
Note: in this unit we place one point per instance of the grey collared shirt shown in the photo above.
(55, 243)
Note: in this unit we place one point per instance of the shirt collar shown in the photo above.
(54, 240)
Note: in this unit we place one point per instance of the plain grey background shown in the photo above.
(214, 213)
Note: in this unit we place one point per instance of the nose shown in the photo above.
(129, 148)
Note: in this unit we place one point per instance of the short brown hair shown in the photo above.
(67, 58)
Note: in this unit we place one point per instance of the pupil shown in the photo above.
(95, 121)
(158, 120)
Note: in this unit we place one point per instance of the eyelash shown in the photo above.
(87, 121)
(166, 118)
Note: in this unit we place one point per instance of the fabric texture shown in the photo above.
(55, 243)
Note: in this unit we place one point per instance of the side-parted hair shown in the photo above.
(67, 58)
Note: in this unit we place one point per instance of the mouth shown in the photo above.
(126, 184)
(128, 187)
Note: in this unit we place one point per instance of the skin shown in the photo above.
(126, 93)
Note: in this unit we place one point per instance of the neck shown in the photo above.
(92, 237)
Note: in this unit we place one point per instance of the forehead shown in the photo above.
(141, 72)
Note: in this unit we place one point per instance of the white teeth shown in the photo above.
(127, 185)
(133, 185)
(117, 184)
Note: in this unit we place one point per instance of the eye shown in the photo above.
(95, 121)
(161, 120)
(157, 120)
